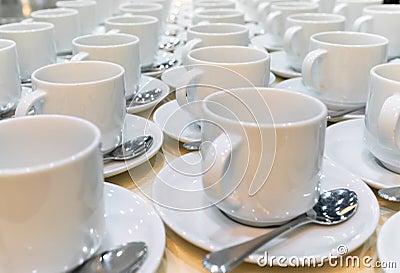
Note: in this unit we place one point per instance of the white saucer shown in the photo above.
(265, 41)
(297, 85)
(135, 126)
(388, 243)
(206, 227)
(344, 145)
(280, 66)
(147, 83)
(161, 57)
(173, 75)
(130, 218)
(176, 122)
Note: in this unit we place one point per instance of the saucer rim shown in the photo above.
(352, 125)
(153, 261)
(165, 92)
(353, 245)
(113, 168)
(268, 48)
(384, 236)
(284, 70)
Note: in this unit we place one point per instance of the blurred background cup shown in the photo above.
(13, 11)
(214, 68)
(149, 9)
(382, 20)
(119, 48)
(66, 26)
(35, 43)
(382, 126)
(10, 83)
(352, 9)
(87, 13)
(262, 11)
(213, 4)
(104, 9)
(166, 4)
(92, 90)
(215, 34)
(279, 11)
(336, 70)
(51, 174)
(218, 16)
(300, 27)
(146, 28)
(249, 145)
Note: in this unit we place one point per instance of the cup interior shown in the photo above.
(131, 20)
(218, 29)
(56, 12)
(295, 5)
(140, 7)
(347, 38)
(26, 27)
(6, 44)
(84, 72)
(388, 71)
(393, 8)
(316, 17)
(37, 142)
(228, 55)
(218, 13)
(105, 40)
(264, 107)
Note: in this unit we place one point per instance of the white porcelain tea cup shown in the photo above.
(336, 70)
(214, 4)
(35, 43)
(218, 16)
(352, 9)
(165, 3)
(51, 174)
(279, 11)
(146, 28)
(142, 8)
(215, 34)
(382, 127)
(300, 27)
(214, 68)
(10, 83)
(87, 10)
(66, 25)
(252, 168)
(119, 48)
(92, 90)
(382, 20)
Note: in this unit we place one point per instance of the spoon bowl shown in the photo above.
(390, 194)
(130, 149)
(145, 97)
(333, 207)
(159, 67)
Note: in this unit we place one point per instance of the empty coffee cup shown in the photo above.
(352, 9)
(218, 16)
(87, 10)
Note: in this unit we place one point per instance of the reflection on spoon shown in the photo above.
(130, 149)
(333, 207)
(391, 194)
(171, 44)
(141, 98)
(340, 113)
(159, 67)
(124, 258)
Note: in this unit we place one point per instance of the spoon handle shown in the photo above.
(228, 258)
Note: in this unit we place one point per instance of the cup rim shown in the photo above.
(134, 40)
(219, 13)
(117, 75)
(146, 20)
(379, 40)
(239, 29)
(326, 18)
(288, 5)
(95, 143)
(75, 4)
(375, 74)
(281, 125)
(266, 57)
(149, 6)
(48, 13)
(45, 26)
(10, 44)
(381, 9)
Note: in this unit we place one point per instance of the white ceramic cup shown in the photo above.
(92, 90)
(104, 9)
(300, 27)
(213, 68)
(382, 127)
(10, 83)
(279, 11)
(218, 16)
(66, 25)
(352, 9)
(382, 20)
(165, 3)
(215, 34)
(87, 10)
(252, 168)
(35, 45)
(142, 8)
(119, 48)
(51, 174)
(262, 11)
(336, 70)
(214, 4)
(146, 28)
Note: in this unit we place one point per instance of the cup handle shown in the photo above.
(388, 122)
(79, 56)
(272, 21)
(36, 98)
(289, 39)
(310, 65)
(361, 23)
(340, 8)
(189, 46)
(186, 79)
